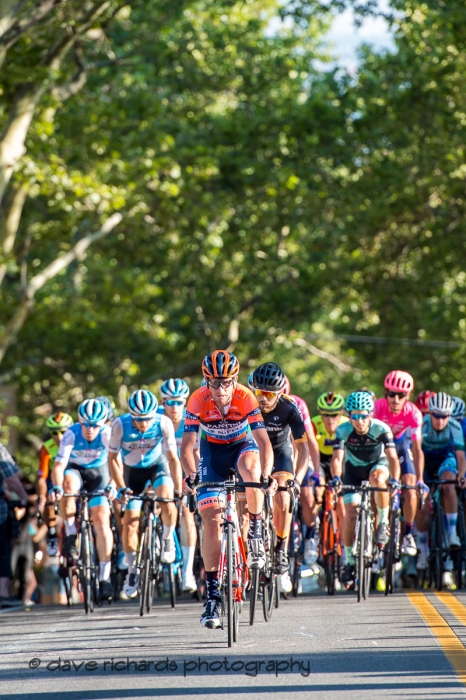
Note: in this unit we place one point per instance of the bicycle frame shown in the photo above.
(230, 520)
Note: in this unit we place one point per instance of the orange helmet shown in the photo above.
(220, 364)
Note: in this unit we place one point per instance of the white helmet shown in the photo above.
(441, 403)
(459, 408)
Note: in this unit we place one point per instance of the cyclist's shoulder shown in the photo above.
(344, 430)
(379, 427)
(289, 403)
(455, 427)
(318, 422)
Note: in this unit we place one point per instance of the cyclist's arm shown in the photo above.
(394, 464)
(302, 459)
(41, 487)
(265, 450)
(418, 459)
(460, 458)
(336, 467)
(62, 458)
(175, 468)
(115, 469)
(188, 459)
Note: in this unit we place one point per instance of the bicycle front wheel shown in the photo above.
(172, 584)
(230, 588)
(361, 546)
(390, 554)
(145, 601)
(86, 582)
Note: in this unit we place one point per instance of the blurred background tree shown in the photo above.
(184, 176)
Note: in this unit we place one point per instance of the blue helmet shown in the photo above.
(110, 406)
(459, 408)
(142, 403)
(92, 411)
(174, 389)
(359, 401)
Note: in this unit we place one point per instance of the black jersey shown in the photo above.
(285, 418)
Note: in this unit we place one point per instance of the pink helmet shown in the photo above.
(399, 381)
(286, 387)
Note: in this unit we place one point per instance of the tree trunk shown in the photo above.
(10, 215)
(15, 130)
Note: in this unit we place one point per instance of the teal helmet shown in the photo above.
(359, 401)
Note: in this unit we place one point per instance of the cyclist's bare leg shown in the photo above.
(307, 503)
(450, 498)
(188, 528)
(250, 469)
(103, 534)
(349, 524)
(130, 530)
(243, 516)
(409, 498)
(169, 510)
(71, 484)
(211, 538)
(281, 515)
(378, 479)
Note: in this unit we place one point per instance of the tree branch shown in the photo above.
(300, 342)
(38, 281)
(20, 26)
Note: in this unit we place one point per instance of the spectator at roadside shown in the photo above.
(9, 483)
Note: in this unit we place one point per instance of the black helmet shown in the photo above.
(268, 377)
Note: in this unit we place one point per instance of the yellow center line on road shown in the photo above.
(452, 602)
(451, 645)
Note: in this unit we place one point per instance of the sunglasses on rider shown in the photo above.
(87, 424)
(57, 432)
(439, 416)
(142, 419)
(400, 394)
(217, 383)
(266, 394)
(330, 415)
(359, 416)
(173, 402)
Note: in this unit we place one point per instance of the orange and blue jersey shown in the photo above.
(242, 416)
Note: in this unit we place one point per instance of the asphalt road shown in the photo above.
(398, 647)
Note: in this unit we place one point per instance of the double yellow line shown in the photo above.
(451, 645)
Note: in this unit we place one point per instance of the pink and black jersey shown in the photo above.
(409, 417)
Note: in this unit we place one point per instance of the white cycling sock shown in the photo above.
(451, 519)
(70, 526)
(422, 541)
(104, 570)
(131, 561)
(188, 559)
(383, 515)
(168, 531)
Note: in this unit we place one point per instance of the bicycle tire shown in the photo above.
(172, 585)
(230, 590)
(94, 569)
(145, 601)
(460, 555)
(253, 593)
(235, 620)
(86, 571)
(330, 554)
(361, 560)
(68, 583)
(390, 554)
(268, 578)
(438, 550)
(369, 540)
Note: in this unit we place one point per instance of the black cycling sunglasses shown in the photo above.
(400, 394)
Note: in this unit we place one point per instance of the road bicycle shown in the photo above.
(439, 546)
(330, 547)
(363, 543)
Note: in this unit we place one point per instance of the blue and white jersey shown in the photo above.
(450, 439)
(179, 431)
(142, 450)
(75, 449)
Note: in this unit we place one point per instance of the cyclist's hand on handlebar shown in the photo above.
(122, 494)
(55, 493)
(189, 483)
(269, 484)
(315, 479)
(335, 483)
(394, 484)
(422, 487)
(461, 481)
(294, 486)
(111, 492)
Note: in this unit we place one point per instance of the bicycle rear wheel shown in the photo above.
(438, 549)
(331, 554)
(390, 553)
(268, 578)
